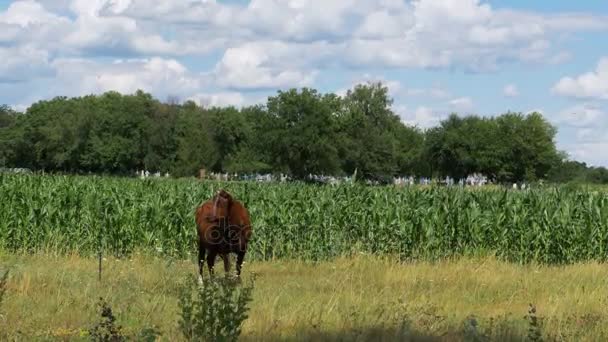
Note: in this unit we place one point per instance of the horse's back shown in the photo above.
(239, 223)
(202, 215)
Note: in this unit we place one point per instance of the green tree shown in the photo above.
(231, 131)
(116, 140)
(7, 128)
(160, 137)
(510, 147)
(7, 116)
(195, 146)
(301, 127)
(529, 150)
(373, 140)
(254, 151)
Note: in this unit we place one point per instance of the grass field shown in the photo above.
(365, 298)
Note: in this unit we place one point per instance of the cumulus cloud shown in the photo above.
(78, 77)
(583, 115)
(219, 99)
(510, 90)
(400, 91)
(422, 117)
(590, 85)
(265, 65)
(21, 63)
(87, 32)
(161, 77)
(275, 43)
(593, 153)
(589, 141)
(395, 88)
(29, 12)
(467, 34)
(461, 104)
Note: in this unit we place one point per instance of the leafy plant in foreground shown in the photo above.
(106, 329)
(215, 309)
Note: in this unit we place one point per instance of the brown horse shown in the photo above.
(223, 227)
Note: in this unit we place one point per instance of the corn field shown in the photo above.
(65, 214)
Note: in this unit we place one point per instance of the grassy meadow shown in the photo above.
(333, 263)
(364, 298)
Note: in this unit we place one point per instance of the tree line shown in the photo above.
(296, 132)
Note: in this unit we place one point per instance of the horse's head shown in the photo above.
(222, 202)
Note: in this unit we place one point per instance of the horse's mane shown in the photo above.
(221, 194)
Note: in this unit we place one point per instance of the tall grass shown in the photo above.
(70, 213)
(362, 298)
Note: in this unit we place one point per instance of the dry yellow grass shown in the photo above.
(54, 297)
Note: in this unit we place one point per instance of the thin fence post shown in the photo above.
(100, 242)
(99, 257)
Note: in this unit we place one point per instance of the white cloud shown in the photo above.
(27, 23)
(590, 85)
(461, 104)
(295, 20)
(158, 76)
(383, 24)
(395, 88)
(573, 22)
(264, 65)
(510, 90)
(593, 153)
(588, 123)
(28, 13)
(538, 110)
(22, 63)
(422, 116)
(583, 115)
(466, 34)
(219, 99)
(30, 23)
(584, 133)
(560, 57)
(274, 43)
(19, 107)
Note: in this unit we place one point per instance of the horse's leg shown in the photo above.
(211, 260)
(226, 258)
(240, 256)
(201, 260)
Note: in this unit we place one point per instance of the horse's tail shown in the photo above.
(226, 232)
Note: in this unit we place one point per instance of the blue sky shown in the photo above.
(436, 56)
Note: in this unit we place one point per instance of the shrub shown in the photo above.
(106, 329)
(215, 309)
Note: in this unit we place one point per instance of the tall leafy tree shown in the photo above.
(8, 119)
(196, 148)
(300, 132)
(230, 130)
(254, 152)
(296, 131)
(374, 141)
